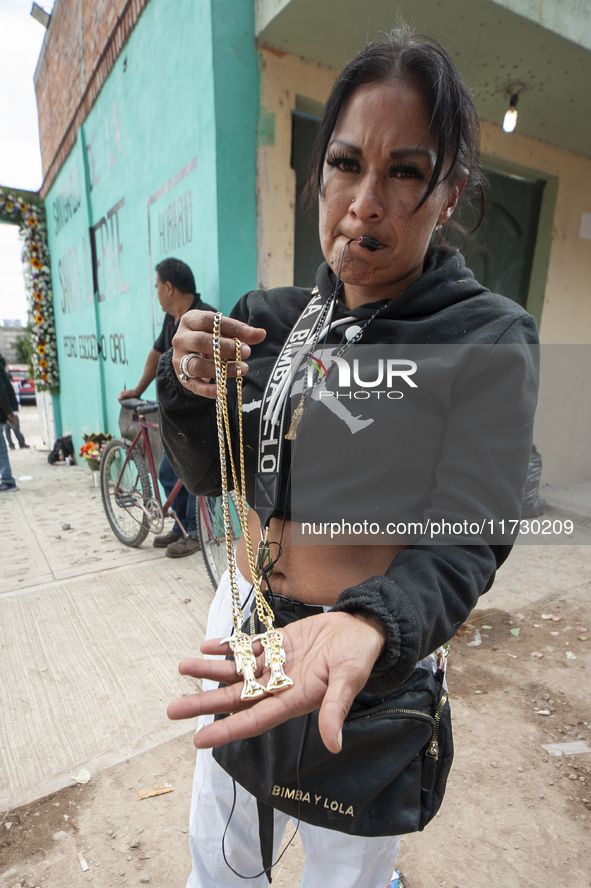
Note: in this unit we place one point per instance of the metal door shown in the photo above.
(500, 253)
(307, 253)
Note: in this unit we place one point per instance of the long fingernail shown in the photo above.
(340, 739)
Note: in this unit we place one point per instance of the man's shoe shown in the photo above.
(11, 446)
(162, 541)
(4, 488)
(182, 548)
(24, 446)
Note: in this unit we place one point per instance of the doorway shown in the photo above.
(307, 253)
(500, 253)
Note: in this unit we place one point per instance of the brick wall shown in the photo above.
(77, 36)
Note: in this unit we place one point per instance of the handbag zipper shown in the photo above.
(434, 745)
(393, 712)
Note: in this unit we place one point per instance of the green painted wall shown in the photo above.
(163, 166)
(236, 88)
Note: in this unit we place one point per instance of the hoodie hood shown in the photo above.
(446, 304)
(446, 280)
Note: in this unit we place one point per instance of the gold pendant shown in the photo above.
(246, 664)
(295, 420)
(272, 642)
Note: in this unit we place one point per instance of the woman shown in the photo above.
(397, 146)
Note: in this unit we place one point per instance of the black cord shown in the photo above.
(298, 762)
(326, 312)
(247, 599)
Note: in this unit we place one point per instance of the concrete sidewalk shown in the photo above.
(91, 631)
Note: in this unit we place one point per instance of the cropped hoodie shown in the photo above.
(428, 590)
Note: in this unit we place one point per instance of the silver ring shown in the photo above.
(184, 375)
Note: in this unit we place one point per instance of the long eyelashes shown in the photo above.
(343, 160)
(407, 171)
(402, 170)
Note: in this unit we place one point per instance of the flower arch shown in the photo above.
(25, 209)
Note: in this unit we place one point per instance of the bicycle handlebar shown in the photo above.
(140, 406)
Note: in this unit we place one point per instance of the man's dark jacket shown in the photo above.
(8, 399)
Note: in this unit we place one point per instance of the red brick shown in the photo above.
(76, 37)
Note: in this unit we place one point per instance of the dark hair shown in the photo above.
(178, 274)
(402, 55)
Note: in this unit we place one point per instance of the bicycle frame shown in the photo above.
(147, 448)
(167, 511)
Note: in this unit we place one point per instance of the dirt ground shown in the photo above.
(513, 815)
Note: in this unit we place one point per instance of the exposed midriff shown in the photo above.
(314, 574)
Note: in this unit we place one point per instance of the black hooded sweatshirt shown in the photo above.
(428, 590)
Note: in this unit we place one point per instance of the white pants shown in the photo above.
(333, 859)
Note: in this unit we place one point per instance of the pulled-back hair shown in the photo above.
(402, 55)
(178, 274)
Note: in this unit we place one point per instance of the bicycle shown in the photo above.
(132, 502)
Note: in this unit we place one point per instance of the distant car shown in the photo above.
(26, 392)
(22, 383)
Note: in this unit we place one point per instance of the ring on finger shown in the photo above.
(184, 375)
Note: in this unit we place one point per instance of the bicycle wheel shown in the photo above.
(125, 495)
(210, 524)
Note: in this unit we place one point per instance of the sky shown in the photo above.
(20, 159)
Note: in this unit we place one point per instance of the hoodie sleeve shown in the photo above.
(429, 590)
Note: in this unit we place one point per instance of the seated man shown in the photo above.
(175, 288)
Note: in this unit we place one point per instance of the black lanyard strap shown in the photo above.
(267, 481)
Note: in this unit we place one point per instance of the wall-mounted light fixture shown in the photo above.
(40, 15)
(510, 119)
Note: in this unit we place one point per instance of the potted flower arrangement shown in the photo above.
(92, 450)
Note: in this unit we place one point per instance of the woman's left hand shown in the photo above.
(329, 659)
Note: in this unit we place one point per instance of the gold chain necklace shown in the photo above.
(240, 642)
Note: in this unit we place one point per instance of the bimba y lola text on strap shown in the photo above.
(314, 323)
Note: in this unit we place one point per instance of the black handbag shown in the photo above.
(388, 779)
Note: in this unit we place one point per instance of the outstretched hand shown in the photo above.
(195, 336)
(329, 658)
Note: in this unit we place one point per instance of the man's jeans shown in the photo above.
(5, 473)
(14, 428)
(184, 504)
